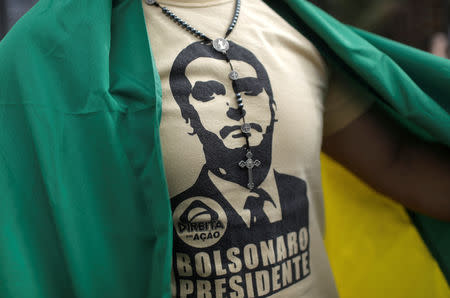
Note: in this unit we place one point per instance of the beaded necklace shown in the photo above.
(221, 45)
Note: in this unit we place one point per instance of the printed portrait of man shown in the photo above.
(219, 214)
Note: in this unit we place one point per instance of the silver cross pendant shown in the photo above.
(249, 164)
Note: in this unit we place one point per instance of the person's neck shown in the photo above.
(192, 2)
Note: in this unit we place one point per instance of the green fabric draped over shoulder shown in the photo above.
(84, 207)
(85, 210)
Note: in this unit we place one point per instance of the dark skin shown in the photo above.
(394, 162)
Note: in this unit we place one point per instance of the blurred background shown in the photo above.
(423, 24)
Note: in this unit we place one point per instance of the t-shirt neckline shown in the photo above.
(193, 3)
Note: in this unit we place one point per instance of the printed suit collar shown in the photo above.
(236, 195)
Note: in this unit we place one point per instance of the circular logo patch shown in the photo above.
(200, 222)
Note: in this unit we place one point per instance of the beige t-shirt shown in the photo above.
(230, 241)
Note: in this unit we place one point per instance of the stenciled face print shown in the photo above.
(214, 99)
(206, 96)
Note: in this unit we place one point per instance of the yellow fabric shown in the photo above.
(374, 249)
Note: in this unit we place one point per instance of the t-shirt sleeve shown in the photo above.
(345, 101)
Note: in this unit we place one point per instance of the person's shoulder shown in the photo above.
(30, 29)
(23, 48)
(264, 15)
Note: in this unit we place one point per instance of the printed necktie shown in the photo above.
(255, 203)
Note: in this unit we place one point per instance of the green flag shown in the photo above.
(84, 208)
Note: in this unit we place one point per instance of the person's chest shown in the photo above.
(223, 232)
